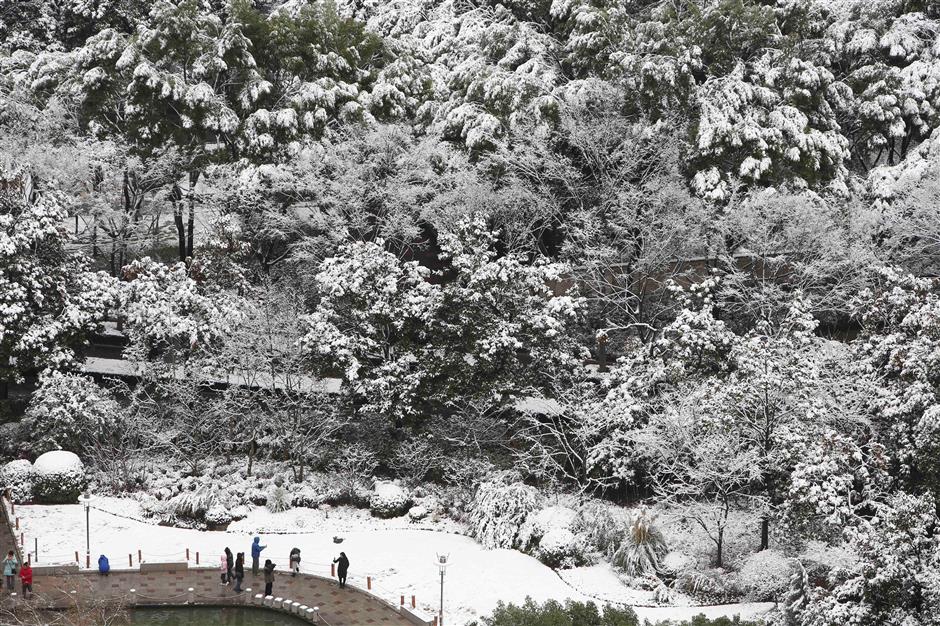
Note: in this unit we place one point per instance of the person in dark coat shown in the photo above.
(103, 565)
(295, 561)
(229, 565)
(342, 568)
(239, 571)
(268, 577)
(256, 549)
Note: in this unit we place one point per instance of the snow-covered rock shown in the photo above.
(18, 477)
(389, 500)
(59, 477)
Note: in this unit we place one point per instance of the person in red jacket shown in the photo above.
(26, 576)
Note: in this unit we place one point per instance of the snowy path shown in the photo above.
(400, 560)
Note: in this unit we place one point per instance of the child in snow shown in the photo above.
(103, 565)
(295, 561)
(256, 549)
(268, 577)
(10, 565)
(341, 568)
(239, 571)
(26, 577)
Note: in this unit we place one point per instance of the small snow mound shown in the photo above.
(58, 462)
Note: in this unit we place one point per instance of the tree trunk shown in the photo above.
(251, 456)
(191, 218)
(720, 543)
(764, 534)
(180, 229)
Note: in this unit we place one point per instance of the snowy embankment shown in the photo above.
(400, 558)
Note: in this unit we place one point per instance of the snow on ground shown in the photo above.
(400, 557)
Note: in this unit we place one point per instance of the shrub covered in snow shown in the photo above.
(543, 521)
(59, 477)
(602, 526)
(561, 548)
(500, 508)
(389, 500)
(766, 575)
(713, 586)
(69, 412)
(278, 499)
(644, 546)
(18, 477)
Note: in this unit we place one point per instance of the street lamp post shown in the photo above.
(442, 567)
(86, 501)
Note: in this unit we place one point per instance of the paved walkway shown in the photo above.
(169, 584)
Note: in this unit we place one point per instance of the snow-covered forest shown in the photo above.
(642, 283)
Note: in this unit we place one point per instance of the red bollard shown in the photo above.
(435, 620)
(403, 600)
(369, 583)
(22, 541)
(413, 604)
(333, 570)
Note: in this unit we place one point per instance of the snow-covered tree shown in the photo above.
(50, 301)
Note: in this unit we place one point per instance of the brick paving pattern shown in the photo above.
(338, 607)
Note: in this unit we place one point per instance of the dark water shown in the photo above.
(211, 616)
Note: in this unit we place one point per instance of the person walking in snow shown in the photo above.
(26, 577)
(229, 565)
(295, 561)
(239, 571)
(268, 577)
(256, 549)
(223, 569)
(104, 567)
(10, 565)
(342, 568)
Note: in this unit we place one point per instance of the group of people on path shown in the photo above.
(232, 568)
(12, 569)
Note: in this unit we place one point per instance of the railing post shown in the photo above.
(369, 583)
(132, 597)
(139, 557)
(197, 557)
(187, 554)
(192, 596)
(402, 599)
(413, 603)
(333, 570)
(130, 560)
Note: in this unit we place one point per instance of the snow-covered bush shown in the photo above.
(561, 548)
(500, 508)
(711, 586)
(389, 500)
(602, 526)
(675, 562)
(766, 575)
(278, 499)
(59, 477)
(644, 546)
(18, 477)
(68, 411)
(543, 522)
